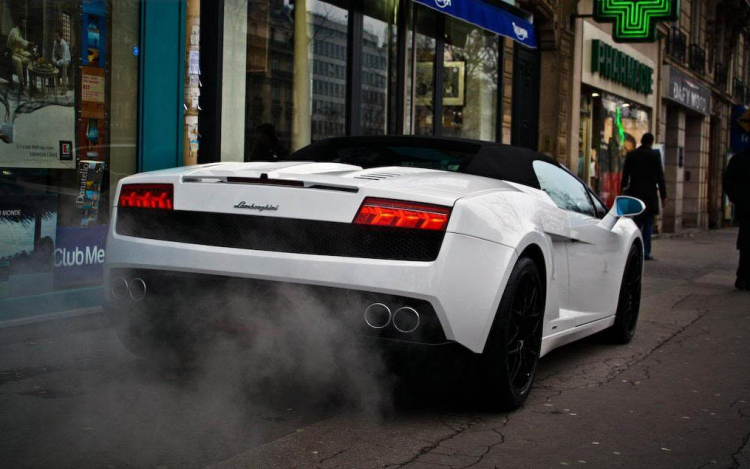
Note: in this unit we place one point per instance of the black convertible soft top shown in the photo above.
(488, 159)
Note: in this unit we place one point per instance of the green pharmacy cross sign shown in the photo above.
(635, 20)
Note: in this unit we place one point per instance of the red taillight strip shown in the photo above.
(402, 214)
(158, 196)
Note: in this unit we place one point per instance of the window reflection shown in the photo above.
(424, 80)
(379, 66)
(469, 81)
(566, 191)
(296, 75)
(328, 58)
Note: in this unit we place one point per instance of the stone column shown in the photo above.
(674, 174)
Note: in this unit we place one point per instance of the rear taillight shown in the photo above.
(396, 213)
(160, 196)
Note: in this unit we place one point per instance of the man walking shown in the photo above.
(737, 187)
(641, 176)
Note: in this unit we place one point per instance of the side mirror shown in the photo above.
(623, 207)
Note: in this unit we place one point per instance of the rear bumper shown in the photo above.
(144, 301)
(462, 286)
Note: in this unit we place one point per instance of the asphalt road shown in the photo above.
(678, 396)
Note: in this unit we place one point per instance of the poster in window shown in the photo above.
(94, 34)
(454, 79)
(37, 95)
(27, 246)
(92, 92)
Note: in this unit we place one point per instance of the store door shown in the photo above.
(525, 118)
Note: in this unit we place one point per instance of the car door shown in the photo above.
(591, 247)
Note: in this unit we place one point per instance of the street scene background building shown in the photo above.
(158, 84)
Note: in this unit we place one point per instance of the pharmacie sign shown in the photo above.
(635, 20)
(615, 65)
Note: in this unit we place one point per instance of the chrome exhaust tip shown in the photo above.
(378, 315)
(137, 289)
(406, 320)
(119, 288)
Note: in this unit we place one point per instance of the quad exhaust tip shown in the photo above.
(137, 289)
(406, 320)
(119, 288)
(378, 315)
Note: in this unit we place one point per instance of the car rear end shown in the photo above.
(193, 252)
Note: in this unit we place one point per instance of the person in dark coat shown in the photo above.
(737, 187)
(641, 176)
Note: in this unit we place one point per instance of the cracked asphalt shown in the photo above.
(678, 396)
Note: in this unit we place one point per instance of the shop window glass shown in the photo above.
(423, 71)
(68, 120)
(329, 26)
(469, 81)
(296, 75)
(380, 41)
(617, 128)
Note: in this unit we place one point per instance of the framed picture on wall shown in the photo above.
(454, 83)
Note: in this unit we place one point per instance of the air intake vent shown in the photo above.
(376, 176)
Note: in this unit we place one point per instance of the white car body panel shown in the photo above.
(491, 224)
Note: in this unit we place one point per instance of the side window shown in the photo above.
(566, 191)
(601, 210)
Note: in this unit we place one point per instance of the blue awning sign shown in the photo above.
(488, 17)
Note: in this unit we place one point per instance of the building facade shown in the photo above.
(313, 69)
(94, 90)
(681, 88)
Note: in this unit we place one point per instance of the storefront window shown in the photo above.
(380, 49)
(328, 50)
(296, 75)
(68, 118)
(615, 127)
(469, 81)
(424, 76)
(300, 86)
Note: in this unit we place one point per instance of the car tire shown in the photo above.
(511, 357)
(629, 301)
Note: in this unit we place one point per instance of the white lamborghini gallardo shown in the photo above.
(492, 249)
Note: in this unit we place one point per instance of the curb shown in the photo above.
(682, 234)
(52, 325)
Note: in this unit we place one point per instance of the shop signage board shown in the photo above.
(619, 69)
(635, 20)
(681, 89)
(488, 17)
(618, 66)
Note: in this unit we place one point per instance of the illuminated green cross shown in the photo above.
(635, 20)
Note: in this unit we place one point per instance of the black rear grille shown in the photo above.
(280, 234)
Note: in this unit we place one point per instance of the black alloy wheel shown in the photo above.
(511, 356)
(525, 327)
(629, 303)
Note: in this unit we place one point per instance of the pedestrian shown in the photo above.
(737, 187)
(641, 176)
